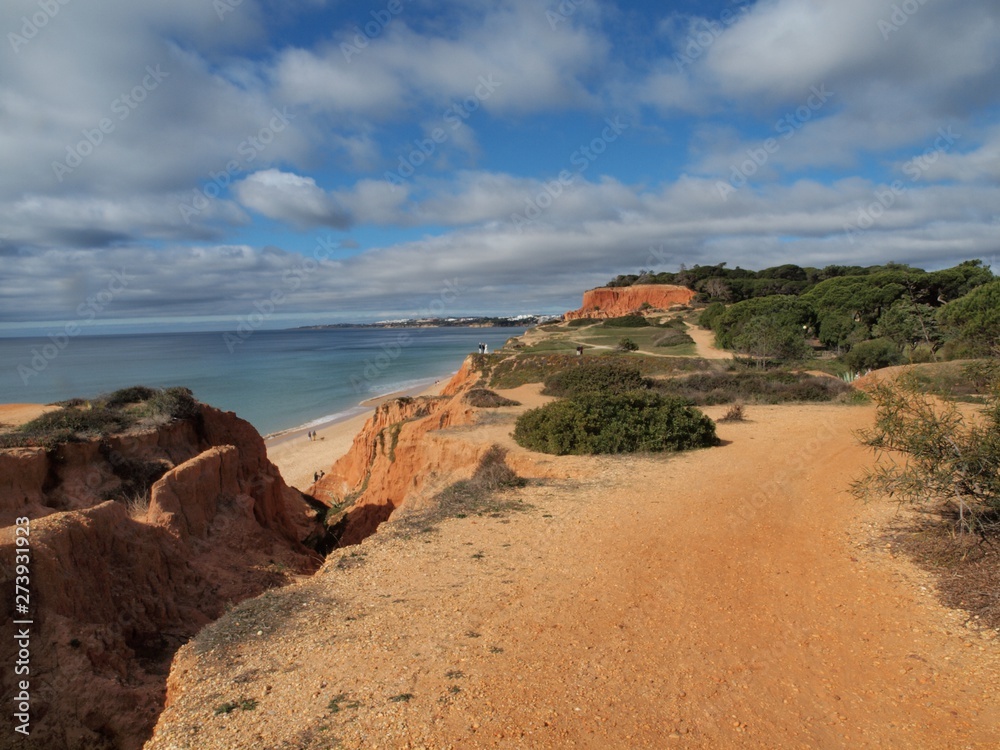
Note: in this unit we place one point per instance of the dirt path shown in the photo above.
(704, 342)
(727, 598)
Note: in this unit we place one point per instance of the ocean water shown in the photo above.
(276, 380)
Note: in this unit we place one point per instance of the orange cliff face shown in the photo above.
(400, 455)
(613, 302)
(115, 590)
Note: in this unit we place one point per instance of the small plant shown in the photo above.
(340, 702)
(735, 413)
(137, 505)
(454, 674)
(246, 704)
(625, 344)
(402, 698)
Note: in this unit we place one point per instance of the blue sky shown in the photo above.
(323, 161)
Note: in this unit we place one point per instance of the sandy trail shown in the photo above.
(726, 598)
(704, 342)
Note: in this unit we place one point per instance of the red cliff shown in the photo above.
(400, 455)
(613, 302)
(116, 588)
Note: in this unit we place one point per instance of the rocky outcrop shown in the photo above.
(116, 588)
(612, 302)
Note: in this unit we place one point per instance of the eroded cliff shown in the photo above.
(402, 453)
(612, 302)
(116, 586)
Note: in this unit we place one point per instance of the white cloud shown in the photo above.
(289, 197)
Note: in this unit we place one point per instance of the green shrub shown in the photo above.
(674, 338)
(873, 355)
(483, 398)
(948, 458)
(133, 395)
(580, 322)
(711, 314)
(106, 415)
(614, 423)
(625, 344)
(590, 376)
(626, 321)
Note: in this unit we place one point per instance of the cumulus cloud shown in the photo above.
(181, 145)
(291, 198)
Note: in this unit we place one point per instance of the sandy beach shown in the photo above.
(298, 458)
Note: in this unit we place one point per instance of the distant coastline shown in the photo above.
(517, 321)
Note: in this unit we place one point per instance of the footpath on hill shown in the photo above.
(735, 597)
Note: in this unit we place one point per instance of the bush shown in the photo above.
(626, 321)
(614, 423)
(625, 344)
(872, 355)
(947, 458)
(674, 338)
(106, 415)
(592, 376)
(580, 322)
(735, 413)
(711, 314)
(483, 398)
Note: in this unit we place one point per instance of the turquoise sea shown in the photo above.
(276, 380)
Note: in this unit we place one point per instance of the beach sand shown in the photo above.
(298, 458)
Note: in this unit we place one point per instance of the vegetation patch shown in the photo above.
(483, 398)
(674, 337)
(950, 460)
(946, 464)
(614, 423)
(596, 376)
(245, 704)
(626, 321)
(114, 413)
(754, 386)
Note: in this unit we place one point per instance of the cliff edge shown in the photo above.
(613, 302)
(116, 585)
